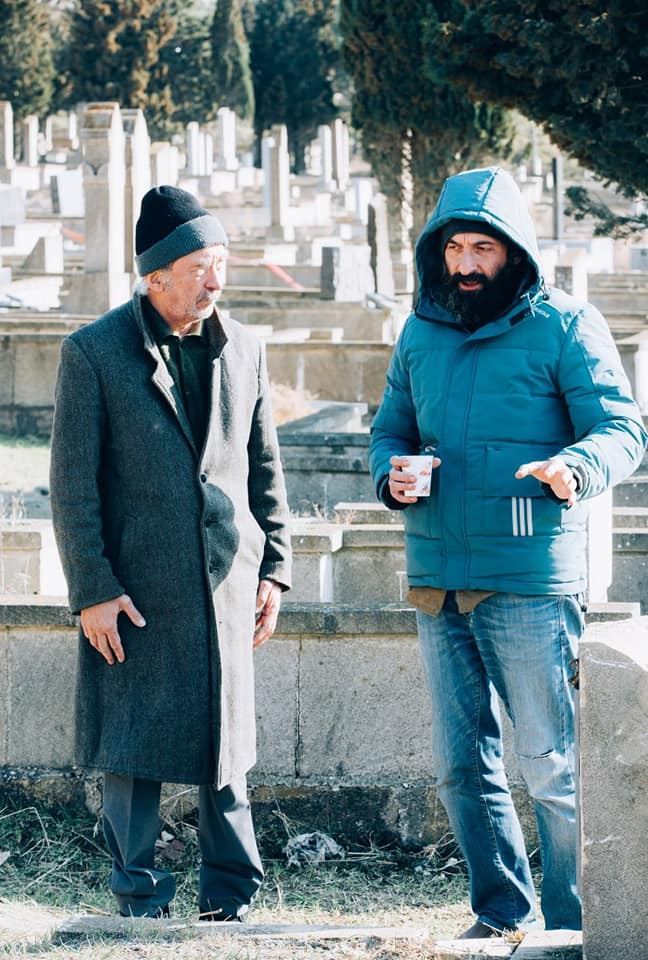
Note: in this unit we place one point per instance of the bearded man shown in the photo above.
(519, 393)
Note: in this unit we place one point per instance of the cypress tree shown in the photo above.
(26, 55)
(231, 59)
(295, 57)
(405, 115)
(114, 53)
(579, 69)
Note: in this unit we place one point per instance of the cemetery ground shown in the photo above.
(55, 866)
(53, 863)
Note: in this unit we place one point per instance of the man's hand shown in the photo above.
(556, 473)
(99, 625)
(268, 601)
(400, 480)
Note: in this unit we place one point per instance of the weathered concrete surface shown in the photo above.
(552, 945)
(90, 925)
(614, 780)
(40, 699)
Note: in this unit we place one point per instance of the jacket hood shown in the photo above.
(488, 195)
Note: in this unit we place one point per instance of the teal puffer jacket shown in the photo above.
(544, 379)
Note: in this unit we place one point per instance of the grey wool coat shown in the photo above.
(187, 534)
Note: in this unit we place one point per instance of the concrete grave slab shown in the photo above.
(277, 670)
(93, 925)
(613, 780)
(552, 945)
(42, 665)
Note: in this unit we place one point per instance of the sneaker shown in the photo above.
(480, 931)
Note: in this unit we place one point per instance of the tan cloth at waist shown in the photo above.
(430, 599)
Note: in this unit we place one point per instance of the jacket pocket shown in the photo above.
(511, 507)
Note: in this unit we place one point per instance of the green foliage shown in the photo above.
(294, 50)
(579, 69)
(114, 54)
(231, 59)
(397, 105)
(187, 59)
(607, 223)
(26, 55)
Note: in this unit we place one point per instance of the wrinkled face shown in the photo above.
(187, 290)
(473, 259)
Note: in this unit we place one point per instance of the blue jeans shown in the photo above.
(520, 648)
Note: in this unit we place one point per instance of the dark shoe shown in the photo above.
(221, 916)
(160, 913)
(480, 931)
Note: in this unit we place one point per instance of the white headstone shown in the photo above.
(265, 164)
(326, 157)
(30, 141)
(363, 193)
(192, 141)
(164, 164)
(378, 237)
(7, 157)
(226, 140)
(279, 180)
(104, 282)
(67, 193)
(340, 145)
(138, 177)
(208, 154)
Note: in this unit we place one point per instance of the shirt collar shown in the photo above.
(160, 329)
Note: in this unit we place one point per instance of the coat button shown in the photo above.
(203, 478)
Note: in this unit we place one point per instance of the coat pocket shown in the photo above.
(511, 507)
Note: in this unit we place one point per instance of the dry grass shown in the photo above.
(57, 866)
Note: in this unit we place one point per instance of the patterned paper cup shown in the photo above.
(421, 468)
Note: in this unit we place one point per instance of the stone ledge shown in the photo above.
(319, 619)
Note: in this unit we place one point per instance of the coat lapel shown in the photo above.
(162, 379)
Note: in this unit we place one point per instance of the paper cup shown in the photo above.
(421, 468)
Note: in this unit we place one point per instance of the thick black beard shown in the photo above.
(476, 308)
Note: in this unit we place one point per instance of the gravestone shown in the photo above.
(66, 190)
(378, 238)
(207, 144)
(192, 147)
(104, 283)
(7, 157)
(340, 151)
(558, 198)
(278, 184)
(138, 177)
(346, 273)
(326, 157)
(47, 255)
(226, 139)
(362, 193)
(164, 164)
(613, 785)
(30, 141)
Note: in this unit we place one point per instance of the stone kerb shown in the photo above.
(613, 784)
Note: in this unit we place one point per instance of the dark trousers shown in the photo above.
(230, 867)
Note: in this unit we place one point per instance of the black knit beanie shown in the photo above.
(172, 224)
(469, 226)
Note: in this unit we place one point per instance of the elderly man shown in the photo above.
(520, 395)
(170, 515)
